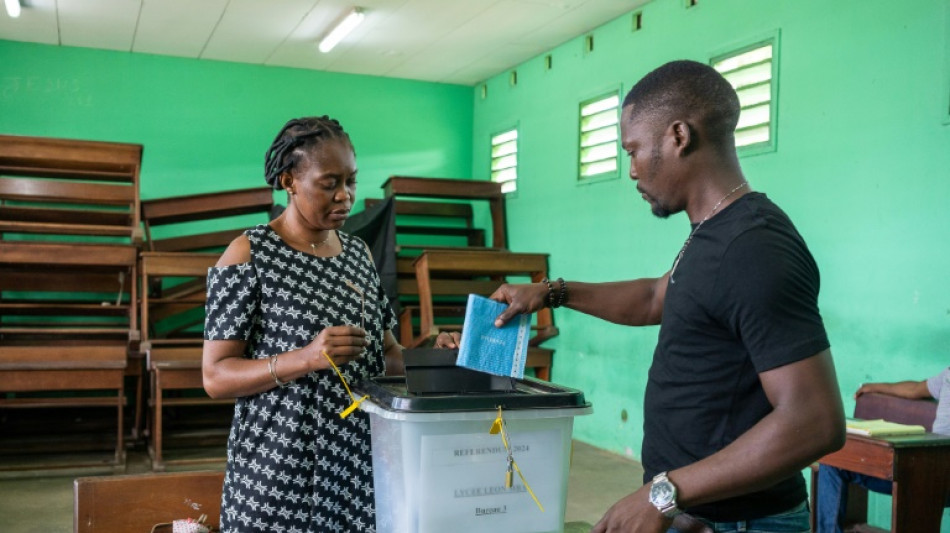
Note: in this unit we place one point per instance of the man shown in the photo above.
(833, 482)
(742, 392)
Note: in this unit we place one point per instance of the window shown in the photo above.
(599, 120)
(504, 160)
(751, 72)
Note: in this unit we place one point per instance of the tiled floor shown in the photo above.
(45, 504)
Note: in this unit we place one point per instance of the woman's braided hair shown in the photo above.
(294, 140)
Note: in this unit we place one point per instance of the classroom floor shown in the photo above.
(45, 504)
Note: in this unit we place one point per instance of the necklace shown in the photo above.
(314, 246)
(701, 222)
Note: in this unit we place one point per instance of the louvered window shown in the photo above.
(504, 160)
(599, 123)
(752, 73)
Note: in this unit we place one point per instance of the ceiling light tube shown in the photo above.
(13, 7)
(338, 33)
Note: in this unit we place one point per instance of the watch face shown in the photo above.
(662, 493)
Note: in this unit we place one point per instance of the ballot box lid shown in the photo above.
(391, 394)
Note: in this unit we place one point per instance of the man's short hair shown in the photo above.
(687, 90)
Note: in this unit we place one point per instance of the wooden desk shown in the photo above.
(919, 466)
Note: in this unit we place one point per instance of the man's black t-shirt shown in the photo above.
(743, 300)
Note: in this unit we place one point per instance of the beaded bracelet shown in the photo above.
(562, 293)
(550, 298)
(272, 366)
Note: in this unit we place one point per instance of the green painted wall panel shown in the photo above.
(862, 166)
(205, 125)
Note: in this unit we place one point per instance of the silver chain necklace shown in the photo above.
(701, 222)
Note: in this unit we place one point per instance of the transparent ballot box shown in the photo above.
(454, 462)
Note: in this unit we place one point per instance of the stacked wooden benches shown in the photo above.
(174, 270)
(69, 230)
(434, 280)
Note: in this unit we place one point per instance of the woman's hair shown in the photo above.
(295, 140)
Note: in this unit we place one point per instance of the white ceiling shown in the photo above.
(449, 41)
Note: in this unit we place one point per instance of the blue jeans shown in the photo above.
(832, 501)
(795, 520)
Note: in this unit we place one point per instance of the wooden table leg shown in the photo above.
(918, 500)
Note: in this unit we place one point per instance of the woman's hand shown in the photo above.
(342, 344)
(521, 299)
(447, 339)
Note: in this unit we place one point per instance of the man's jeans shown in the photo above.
(833, 495)
(792, 521)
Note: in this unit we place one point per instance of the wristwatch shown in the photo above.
(663, 495)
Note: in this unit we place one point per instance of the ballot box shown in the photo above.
(437, 466)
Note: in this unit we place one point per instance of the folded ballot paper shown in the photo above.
(880, 428)
(500, 351)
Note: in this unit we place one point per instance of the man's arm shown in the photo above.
(633, 303)
(806, 423)
(912, 390)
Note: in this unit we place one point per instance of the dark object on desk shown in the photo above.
(433, 371)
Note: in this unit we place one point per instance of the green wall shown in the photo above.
(205, 125)
(862, 166)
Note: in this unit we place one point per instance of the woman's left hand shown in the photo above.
(447, 339)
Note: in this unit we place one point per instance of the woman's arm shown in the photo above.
(227, 373)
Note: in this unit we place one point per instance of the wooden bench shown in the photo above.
(872, 407)
(435, 280)
(442, 274)
(69, 235)
(196, 229)
(421, 224)
(136, 503)
(215, 209)
(402, 187)
(173, 358)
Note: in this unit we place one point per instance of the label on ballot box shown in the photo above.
(464, 476)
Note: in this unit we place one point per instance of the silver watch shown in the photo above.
(663, 495)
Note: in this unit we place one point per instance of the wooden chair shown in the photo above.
(872, 407)
(136, 503)
(451, 275)
(69, 218)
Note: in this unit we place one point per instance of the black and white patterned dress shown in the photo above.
(293, 464)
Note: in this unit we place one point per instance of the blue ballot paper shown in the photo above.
(501, 351)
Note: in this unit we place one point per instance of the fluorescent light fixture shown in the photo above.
(340, 31)
(13, 7)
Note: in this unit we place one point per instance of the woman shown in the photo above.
(284, 300)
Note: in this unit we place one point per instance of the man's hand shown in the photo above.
(633, 514)
(521, 299)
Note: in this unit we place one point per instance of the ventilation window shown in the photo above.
(638, 21)
(504, 160)
(599, 123)
(751, 72)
